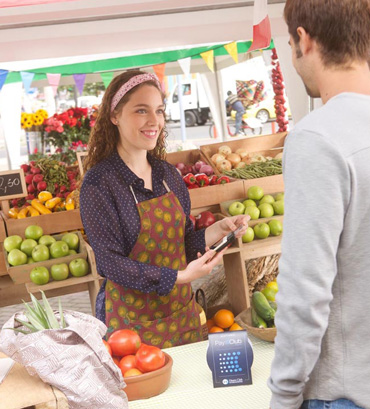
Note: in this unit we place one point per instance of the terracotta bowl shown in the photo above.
(151, 383)
(244, 319)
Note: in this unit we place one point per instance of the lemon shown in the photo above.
(273, 285)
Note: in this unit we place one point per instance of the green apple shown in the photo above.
(40, 253)
(278, 207)
(236, 208)
(79, 267)
(59, 249)
(255, 193)
(17, 257)
(70, 252)
(12, 242)
(266, 210)
(59, 271)
(249, 202)
(72, 240)
(40, 275)
(28, 245)
(261, 230)
(267, 199)
(248, 236)
(276, 227)
(33, 232)
(279, 196)
(47, 240)
(253, 211)
(30, 260)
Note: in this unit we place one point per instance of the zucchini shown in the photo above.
(262, 306)
(257, 321)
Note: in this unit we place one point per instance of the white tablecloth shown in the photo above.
(191, 384)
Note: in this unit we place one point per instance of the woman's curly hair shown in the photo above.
(104, 135)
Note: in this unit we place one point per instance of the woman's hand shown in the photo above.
(224, 227)
(200, 267)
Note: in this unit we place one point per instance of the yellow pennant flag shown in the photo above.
(232, 49)
(208, 58)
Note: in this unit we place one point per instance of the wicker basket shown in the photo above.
(244, 319)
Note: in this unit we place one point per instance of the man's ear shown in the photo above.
(305, 41)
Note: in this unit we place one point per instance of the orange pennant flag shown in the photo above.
(159, 71)
(232, 49)
(208, 58)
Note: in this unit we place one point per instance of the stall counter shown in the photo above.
(192, 387)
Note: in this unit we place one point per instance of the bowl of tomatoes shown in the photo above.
(146, 369)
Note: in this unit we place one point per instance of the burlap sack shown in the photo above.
(73, 359)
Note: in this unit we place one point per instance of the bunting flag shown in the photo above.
(232, 49)
(106, 78)
(185, 65)
(208, 58)
(261, 26)
(159, 71)
(54, 81)
(79, 81)
(27, 78)
(3, 75)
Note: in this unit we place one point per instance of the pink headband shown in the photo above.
(131, 83)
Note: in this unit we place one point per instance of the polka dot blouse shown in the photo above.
(112, 224)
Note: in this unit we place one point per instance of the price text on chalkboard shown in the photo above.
(12, 184)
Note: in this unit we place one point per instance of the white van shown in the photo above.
(195, 103)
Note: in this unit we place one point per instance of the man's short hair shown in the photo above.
(229, 93)
(340, 27)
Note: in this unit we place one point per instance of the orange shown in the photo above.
(224, 318)
(210, 324)
(215, 329)
(235, 327)
(132, 372)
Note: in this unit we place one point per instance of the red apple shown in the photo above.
(204, 220)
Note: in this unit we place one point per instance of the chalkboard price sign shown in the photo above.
(12, 184)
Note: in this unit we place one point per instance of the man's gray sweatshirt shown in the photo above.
(322, 348)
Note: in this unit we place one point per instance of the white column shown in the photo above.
(10, 111)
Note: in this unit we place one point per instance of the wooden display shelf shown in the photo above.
(262, 247)
(51, 223)
(54, 285)
(21, 274)
(2, 230)
(224, 206)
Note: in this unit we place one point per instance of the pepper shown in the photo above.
(60, 207)
(40, 207)
(202, 179)
(44, 196)
(194, 186)
(13, 213)
(213, 180)
(70, 204)
(222, 180)
(22, 213)
(51, 203)
(32, 211)
(189, 179)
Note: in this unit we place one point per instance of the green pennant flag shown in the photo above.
(106, 77)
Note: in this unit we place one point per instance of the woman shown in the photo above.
(135, 209)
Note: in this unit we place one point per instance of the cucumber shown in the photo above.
(262, 306)
(273, 305)
(257, 321)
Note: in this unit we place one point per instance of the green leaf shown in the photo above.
(54, 324)
(40, 311)
(61, 315)
(33, 318)
(27, 325)
(19, 330)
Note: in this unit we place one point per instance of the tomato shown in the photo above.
(149, 358)
(124, 342)
(116, 360)
(132, 372)
(109, 349)
(127, 362)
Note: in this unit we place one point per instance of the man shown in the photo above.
(322, 348)
(234, 103)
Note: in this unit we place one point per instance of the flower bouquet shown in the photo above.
(33, 124)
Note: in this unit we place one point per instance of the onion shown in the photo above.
(240, 165)
(241, 152)
(224, 150)
(247, 159)
(207, 169)
(217, 157)
(181, 167)
(198, 165)
(223, 165)
(234, 159)
(279, 156)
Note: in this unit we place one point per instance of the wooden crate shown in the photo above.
(21, 274)
(188, 157)
(51, 223)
